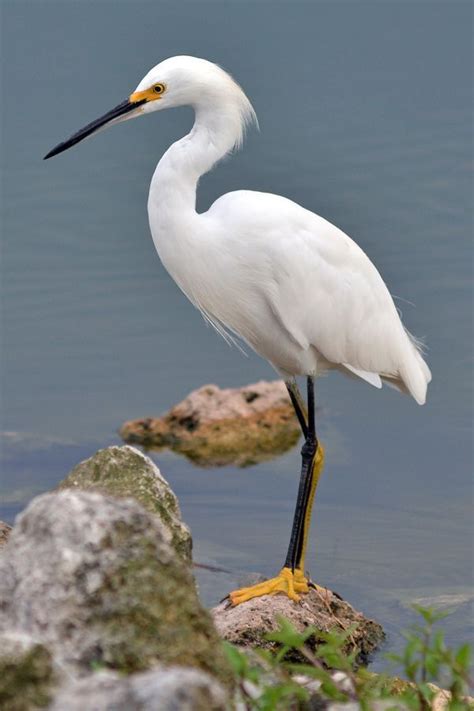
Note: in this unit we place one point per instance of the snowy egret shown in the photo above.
(258, 266)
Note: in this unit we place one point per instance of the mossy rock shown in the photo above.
(125, 471)
(26, 674)
(95, 580)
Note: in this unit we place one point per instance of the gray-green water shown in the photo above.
(365, 118)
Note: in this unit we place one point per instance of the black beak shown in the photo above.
(124, 108)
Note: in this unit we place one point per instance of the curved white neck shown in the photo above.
(215, 132)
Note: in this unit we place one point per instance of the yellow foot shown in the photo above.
(286, 582)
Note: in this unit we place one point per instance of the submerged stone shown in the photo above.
(125, 471)
(95, 581)
(215, 427)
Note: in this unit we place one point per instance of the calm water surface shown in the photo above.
(365, 118)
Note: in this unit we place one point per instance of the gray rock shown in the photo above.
(171, 689)
(124, 472)
(95, 581)
(247, 624)
(440, 703)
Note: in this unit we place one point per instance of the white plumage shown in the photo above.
(259, 266)
(293, 286)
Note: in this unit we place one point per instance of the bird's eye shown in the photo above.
(158, 88)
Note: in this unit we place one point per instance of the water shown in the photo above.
(365, 118)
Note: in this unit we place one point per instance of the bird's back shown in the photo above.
(304, 295)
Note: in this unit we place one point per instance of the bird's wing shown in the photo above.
(331, 297)
(325, 291)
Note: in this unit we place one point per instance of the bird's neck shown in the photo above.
(215, 132)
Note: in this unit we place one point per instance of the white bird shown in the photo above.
(260, 267)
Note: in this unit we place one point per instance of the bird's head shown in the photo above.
(177, 81)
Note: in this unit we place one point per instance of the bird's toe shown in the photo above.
(287, 582)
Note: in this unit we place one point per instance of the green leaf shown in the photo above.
(306, 669)
(237, 660)
(289, 635)
(438, 642)
(277, 697)
(432, 664)
(463, 656)
(411, 670)
(412, 647)
(459, 705)
(281, 653)
(337, 638)
(266, 655)
(330, 689)
(430, 614)
(427, 692)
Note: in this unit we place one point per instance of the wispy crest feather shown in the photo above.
(248, 117)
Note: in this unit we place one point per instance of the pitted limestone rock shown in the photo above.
(248, 623)
(94, 580)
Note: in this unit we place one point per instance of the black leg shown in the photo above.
(308, 452)
(311, 445)
(311, 419)
(295, 396)
(291, 580)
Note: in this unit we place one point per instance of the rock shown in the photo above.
(247, 624)
(125, 471)
(442, 699)
(4, 533)
(439, 703)
(171, 689)
(216, 427)
(26, 673)
(95, 581)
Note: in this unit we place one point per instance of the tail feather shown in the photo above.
(416, 375)
(410, 377)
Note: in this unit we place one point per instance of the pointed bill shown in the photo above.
(117, 113)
